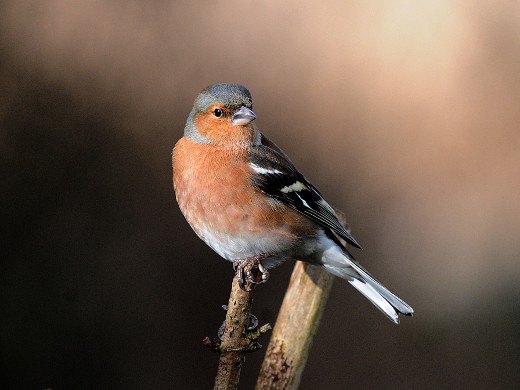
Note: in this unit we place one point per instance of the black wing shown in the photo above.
(277, 177)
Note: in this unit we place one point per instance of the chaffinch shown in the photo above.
(243, 196)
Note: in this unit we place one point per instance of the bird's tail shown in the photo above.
(343, 265)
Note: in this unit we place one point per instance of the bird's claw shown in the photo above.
(255, 272)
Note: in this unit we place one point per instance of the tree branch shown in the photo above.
(296, 325)
(235, 342)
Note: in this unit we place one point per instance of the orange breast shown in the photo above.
(214, 191)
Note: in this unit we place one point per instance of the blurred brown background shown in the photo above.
(405, 114)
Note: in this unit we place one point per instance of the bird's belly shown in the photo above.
(236, 232)
(234, 247)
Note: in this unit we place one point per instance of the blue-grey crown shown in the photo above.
(231, 96)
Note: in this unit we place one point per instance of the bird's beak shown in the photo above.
(243, 117)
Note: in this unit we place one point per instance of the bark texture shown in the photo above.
(296, 325)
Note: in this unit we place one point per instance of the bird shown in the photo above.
(243, 196)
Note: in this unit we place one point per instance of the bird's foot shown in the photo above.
(253, 269)
(252, 324)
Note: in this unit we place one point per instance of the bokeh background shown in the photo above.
(404, 113)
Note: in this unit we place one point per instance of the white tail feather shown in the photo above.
(338, 263)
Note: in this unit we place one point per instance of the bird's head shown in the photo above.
(222, 114)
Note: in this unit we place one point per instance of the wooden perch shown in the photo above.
(237, 340)
(297, 322)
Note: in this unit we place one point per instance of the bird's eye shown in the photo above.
(217, 112)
